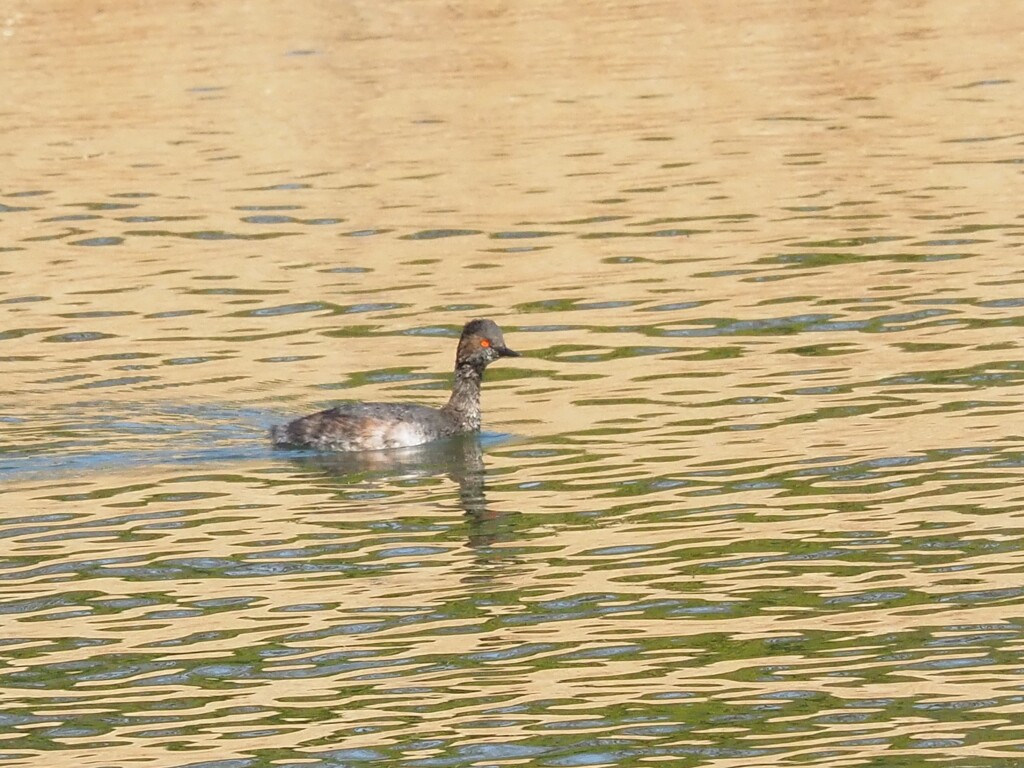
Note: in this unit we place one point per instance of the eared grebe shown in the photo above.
(375, 426)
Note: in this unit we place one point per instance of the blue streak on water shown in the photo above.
(176, 435)
(167, 435)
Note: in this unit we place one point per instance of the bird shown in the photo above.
(380, 426)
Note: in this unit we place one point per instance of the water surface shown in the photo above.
(751, 497)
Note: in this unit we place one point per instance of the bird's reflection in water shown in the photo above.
(461, 458)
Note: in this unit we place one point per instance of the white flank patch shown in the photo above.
(403, 434)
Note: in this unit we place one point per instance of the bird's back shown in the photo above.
(365, 427)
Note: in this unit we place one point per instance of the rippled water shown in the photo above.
(751, 497)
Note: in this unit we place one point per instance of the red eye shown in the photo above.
(484, 343)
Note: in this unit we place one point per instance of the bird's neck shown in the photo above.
(464, 403)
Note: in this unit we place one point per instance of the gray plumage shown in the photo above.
(377, 426)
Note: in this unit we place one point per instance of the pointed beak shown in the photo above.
(506, 352)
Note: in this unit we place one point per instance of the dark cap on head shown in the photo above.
(485, 336)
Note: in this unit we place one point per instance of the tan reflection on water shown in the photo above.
(763, 260)
(671, 569)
